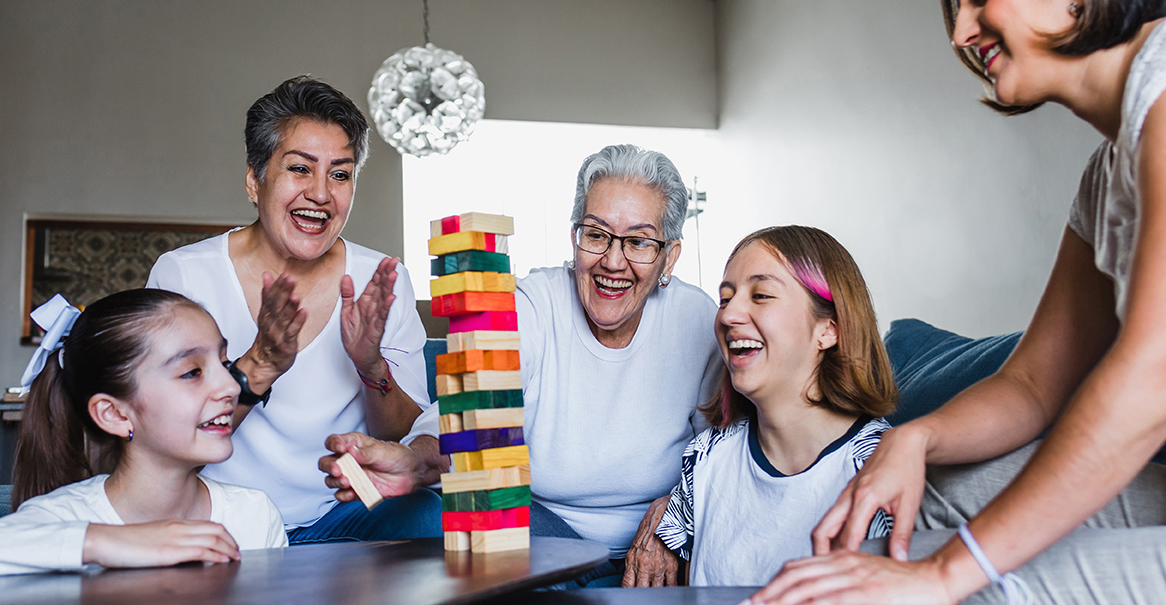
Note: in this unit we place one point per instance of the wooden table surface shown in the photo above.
(414, 571)
(633, 596)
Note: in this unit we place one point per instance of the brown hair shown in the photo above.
(1100, 24)
(854, 376)
(103, 349)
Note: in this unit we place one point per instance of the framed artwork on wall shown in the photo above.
(87, 258)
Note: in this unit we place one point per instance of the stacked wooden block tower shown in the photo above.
(486, 501)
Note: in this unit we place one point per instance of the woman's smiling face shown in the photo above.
(307, 190)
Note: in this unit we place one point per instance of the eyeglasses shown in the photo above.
(637, 249)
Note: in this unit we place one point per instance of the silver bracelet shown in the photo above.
(1016, 591)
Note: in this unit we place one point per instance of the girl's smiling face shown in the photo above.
(769, 337)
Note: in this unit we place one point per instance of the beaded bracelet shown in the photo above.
(1016, 592)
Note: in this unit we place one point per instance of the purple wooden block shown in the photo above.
(481, 439)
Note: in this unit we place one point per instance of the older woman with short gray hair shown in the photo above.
(617, 354)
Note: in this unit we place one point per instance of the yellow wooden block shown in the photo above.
(495, 418)
(472, 281)
(498, 457)
(498, 540)
(448, 384)
(468, 240)
(450, 423)
(495, 478)
(459, 540)
(359, 481)
(481, 339)
(492, 380)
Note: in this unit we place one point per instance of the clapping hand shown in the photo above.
(362, 320)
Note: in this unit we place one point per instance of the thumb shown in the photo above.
(347, 291)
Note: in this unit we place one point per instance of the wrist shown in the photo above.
(918, 435)
(957, 570)
(378, 376)
(260, 374)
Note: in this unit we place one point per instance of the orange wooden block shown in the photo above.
(471, 302)
(476, 359)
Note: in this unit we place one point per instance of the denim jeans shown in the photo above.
(416, 515)
(545, 523)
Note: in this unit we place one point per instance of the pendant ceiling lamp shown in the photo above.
(426, 99)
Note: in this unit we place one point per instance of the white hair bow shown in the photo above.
(56, 318)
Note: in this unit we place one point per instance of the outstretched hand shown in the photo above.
(158, 543)
(362, 320)
(892, 479)
(854, 577)
(649, 561)
(395, 470)
(280, 321)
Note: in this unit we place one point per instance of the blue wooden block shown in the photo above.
(481, 439)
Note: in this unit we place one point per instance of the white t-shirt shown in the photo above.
(738, 519)
(1108, 205)
(278, 446)
(606, 427)
(47, 533)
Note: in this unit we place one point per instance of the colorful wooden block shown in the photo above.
(479, 400)
(499, 540)
(358, 479)
(472, 281)
(477, 359)
(457, 540)
(507, 497)
(471, 302)
(492, 380)
(481, 439)
(482, 339)
(472, 221)
(470, 260)
(499, 321)
(492, 419)
(468, 240)
(449, 384)
(498, 457)
(450, 423)
(495, 478)
(485, 520)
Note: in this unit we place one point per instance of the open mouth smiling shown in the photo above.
(311, 220)
(218, 424)
(745, 347)
(613, 287)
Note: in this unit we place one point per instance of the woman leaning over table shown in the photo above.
(307, 350)
(1093, 360)
(616, 355)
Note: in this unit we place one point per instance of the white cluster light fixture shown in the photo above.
(426, 99)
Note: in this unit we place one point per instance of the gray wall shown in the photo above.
(136, 107)
(856, 117)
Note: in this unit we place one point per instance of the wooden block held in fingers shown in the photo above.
(471, 302)
(468, 240)
(492, 380)
(457, 540)
(481, 439)
(479, 400)
(502, 321)
(499, 540)
(492, 419)
(450, 423)
(482, 339)
(499, 457)
(359, 481)
(472, 281)
(470, 260)
(449, 384)
(495, 478)
(493, 499)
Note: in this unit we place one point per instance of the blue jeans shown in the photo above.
(544, 522)
(416, 515)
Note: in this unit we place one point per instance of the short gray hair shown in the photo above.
(651, 168)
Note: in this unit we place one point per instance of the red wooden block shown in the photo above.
(451, 224)
(471, 302)
(485, 520)
(502, 321)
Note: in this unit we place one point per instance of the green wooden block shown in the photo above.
(470, 260)
(479, 400)
(495, 499)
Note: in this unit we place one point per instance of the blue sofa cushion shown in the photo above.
(5, 499)
(433, 348)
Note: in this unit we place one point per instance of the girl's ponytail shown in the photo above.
(50, 447)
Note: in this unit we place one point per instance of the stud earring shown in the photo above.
(131, 436)
(1074, 9)
(665, 279)
(571, 264)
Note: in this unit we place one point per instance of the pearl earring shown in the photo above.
(665, 279)
(1074, 9)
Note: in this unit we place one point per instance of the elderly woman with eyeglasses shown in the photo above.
(616, 355)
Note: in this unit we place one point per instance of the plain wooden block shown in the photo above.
(449, 384)
(499, 540)
(492, 380)
(500, 457)
(470, 260)
(450, 423)
(359, 481)
(457, 540)
(472, 281)
(479, 400)
(471, 302)
(495, 478)
(472, 221)
(502, 321)
(492, 418)
(485, 520)
(481, 439)
(468, 240)
(482, 339)
(493, 499)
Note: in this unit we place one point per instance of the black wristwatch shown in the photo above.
(246, 397)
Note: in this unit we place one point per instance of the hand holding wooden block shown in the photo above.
(359, 481)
